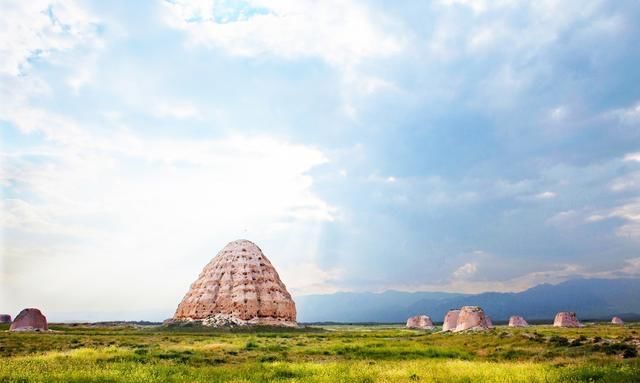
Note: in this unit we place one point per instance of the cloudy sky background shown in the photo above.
(445, 145)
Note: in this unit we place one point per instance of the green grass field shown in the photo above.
(596, 353)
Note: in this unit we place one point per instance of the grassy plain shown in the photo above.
(363, 354)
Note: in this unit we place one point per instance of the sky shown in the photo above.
(444, 145)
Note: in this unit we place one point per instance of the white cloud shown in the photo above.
(308, 278)
(630, 115)
(545, 195)
(110, 204)
(43, 30)
(84, 70)
(595, 218)
(565, 218)
(632, 157)
(123, 205)
(513, 56)
(630, 213)
(465, 271)
(558, 113)
(39, 28)
(483, 38)
(632, 267)
(478, 6)
(628, 182)
(342, 33)
(176, 110)
(556, 273)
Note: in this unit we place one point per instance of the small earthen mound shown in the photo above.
(238, 287)
(566, 319)
(30, 320)
(617, 320)
(517, 321)
(450, 320)
(5, 318)
(422, 322)
(489, 322)
(472, 318)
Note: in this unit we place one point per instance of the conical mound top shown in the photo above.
(241, 285)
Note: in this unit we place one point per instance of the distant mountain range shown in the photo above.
(590, 298)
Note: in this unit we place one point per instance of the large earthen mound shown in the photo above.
(29, 320)
(566, 319)
(517, 321)
(472, 318)
(238, 287)
(422, 322)
(450, 320)
(5, 318)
